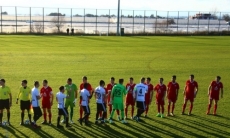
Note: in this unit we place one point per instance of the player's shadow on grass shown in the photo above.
(65, 131)
(11, 129)
(192, 123)
(40, 132)
(176, 128)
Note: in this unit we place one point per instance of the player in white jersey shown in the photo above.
(62, 110)
(100, 96)
(85, 96)
(35, 103)
(139, 95)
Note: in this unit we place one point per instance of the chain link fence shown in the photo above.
(99, 21)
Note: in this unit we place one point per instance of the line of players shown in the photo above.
(112, 95)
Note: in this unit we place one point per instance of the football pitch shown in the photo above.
(57, 58)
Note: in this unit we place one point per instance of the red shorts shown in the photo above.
(129, 101)
(160, 102)
(190, 98)
(172, 99)
(46, 105)
(214, 96)
(147, 100)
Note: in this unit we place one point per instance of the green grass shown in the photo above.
(57, 57)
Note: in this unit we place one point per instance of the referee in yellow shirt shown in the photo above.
(24, 96)
(5, 100)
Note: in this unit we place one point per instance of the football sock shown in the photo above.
(215, 108)
(173, 106)
(67, 121)
(29, 115)
(118, 112)
(191, 106)
(0, 117)
(184, 106)
(110, 109)
(71, 113)
(81, 112)
(50, 116)
(168, 108)
(58, 120)
(97, 115)
(147, 109)
(209, 107)
(122, 114)
(158, 108)
(100, 114)
(132, 111)
(104, 115)
(112, 113)
(126, 110)
(44, 115)
(8, 117)
(22, 117)
(162, 109)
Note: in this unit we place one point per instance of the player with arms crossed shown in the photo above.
(172, 94)
(139, 96)
(214, 93)
(60, 96)
(100, 95)
(5, 100)
(47, 101)
(85, 96)
(35, 104)
(160, 97)
(190, 92)
(129, 100)
(89, 88)
(71, 90)
(148, 95)
(109, 89)
(24, 96)
(117, 94)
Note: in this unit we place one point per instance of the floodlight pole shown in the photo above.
(118, 18)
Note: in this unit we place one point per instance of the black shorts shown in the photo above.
(140, 105)
(101, 107)
(63, 111)
(4, 104)
(86, 109)
(25, 105)
(37, 111)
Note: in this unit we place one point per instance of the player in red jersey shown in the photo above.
(89, 88)
(47, 101)
(148, 95)
(172, 94)
(109, 89)
(190, 92)
(160, 97)
(214, 92)
(129, 100)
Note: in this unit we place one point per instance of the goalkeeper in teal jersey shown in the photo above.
(118, 92)
(71, 91)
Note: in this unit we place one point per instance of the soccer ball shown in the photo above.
(27, 122)
(4, 123)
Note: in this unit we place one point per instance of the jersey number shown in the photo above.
(140, 91)
(98, 96)
(118, 92)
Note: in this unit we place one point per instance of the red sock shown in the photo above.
(215, 108)
(146, 109)
(173, 106)
(209, 107)
(184, 106)
(50, 115)
(81, 112)
(191, 106)
(163, 109)
(126, 110)
(100, 114)
(118, 112)
(158, 108)
(110, 108)
(169, 108)
(132, 111)
(44, 115)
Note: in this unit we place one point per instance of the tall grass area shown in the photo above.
(57, 58)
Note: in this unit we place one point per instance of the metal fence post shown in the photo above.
(71, 18)
(1, 19)
(208, 23)
(219, 23)
(43, 12)
(84, 20)
(198, 26)
(108, 21)
(96, 21)
(133, 21)
(156, 23)
(178, 16)
(30, 19)
(144, 21)
(188, 23)
(16, 19)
